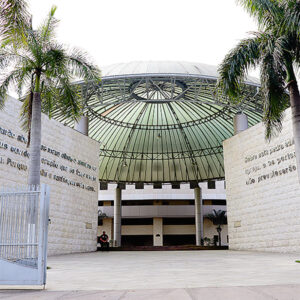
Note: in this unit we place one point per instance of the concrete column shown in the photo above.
(117, 217)
(82, 125)
(158, 232)
(198, 215)
(108, 226)
(240, 122)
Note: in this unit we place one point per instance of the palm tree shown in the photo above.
(276, 49)
(218, 218)
(35, 63)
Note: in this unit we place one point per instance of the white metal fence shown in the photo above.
(24, 214)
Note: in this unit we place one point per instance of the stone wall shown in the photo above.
(69, 163)
(263, 190)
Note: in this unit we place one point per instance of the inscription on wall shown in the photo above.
(49, 167)
(269, 163)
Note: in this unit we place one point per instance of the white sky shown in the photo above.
(127, 30)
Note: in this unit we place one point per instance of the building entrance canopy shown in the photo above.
(163, 121)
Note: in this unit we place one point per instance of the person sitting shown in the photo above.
(104, 241)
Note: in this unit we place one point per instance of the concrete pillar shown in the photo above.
(198, 215)
(108, 226)
(82, 125)
(240, 122)
(117, 217)
(158, 232)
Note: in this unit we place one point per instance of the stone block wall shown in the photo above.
(69, 164)
(263, 190)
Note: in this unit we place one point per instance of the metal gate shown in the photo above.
(24, 215)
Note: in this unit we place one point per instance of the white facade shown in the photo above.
(166, 203)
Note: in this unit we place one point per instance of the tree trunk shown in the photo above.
(295, 106)
(35, 143)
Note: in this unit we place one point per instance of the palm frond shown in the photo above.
(34, 47)
(50, 96)
(291, 22)
(82, 67)
(218, 217)
(54, 60)
(69, 100)
(11, 79)
(9, 59)
(2, 101)
(47, 28)
(236, 64)
(275, 98)
(267, 12)
(26, 115)
(14, 19)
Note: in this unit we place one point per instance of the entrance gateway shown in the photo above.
(162, 123)
(24, 215)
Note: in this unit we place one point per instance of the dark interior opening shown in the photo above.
(178, 221)
(174, 240)
(137, 240)
(137, 221)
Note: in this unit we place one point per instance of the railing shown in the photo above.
(20, 226)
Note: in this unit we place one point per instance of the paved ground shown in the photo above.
(170, 275)
(286, 292)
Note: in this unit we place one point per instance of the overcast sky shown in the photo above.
(127, 30)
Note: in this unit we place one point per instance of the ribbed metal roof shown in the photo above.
(163, 121)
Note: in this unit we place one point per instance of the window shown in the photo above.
(139, 185)
(207, 202)
(211, 185)
(103, 186)
(137, 202)
(137, 221)
(218, 202)
(157, 185)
